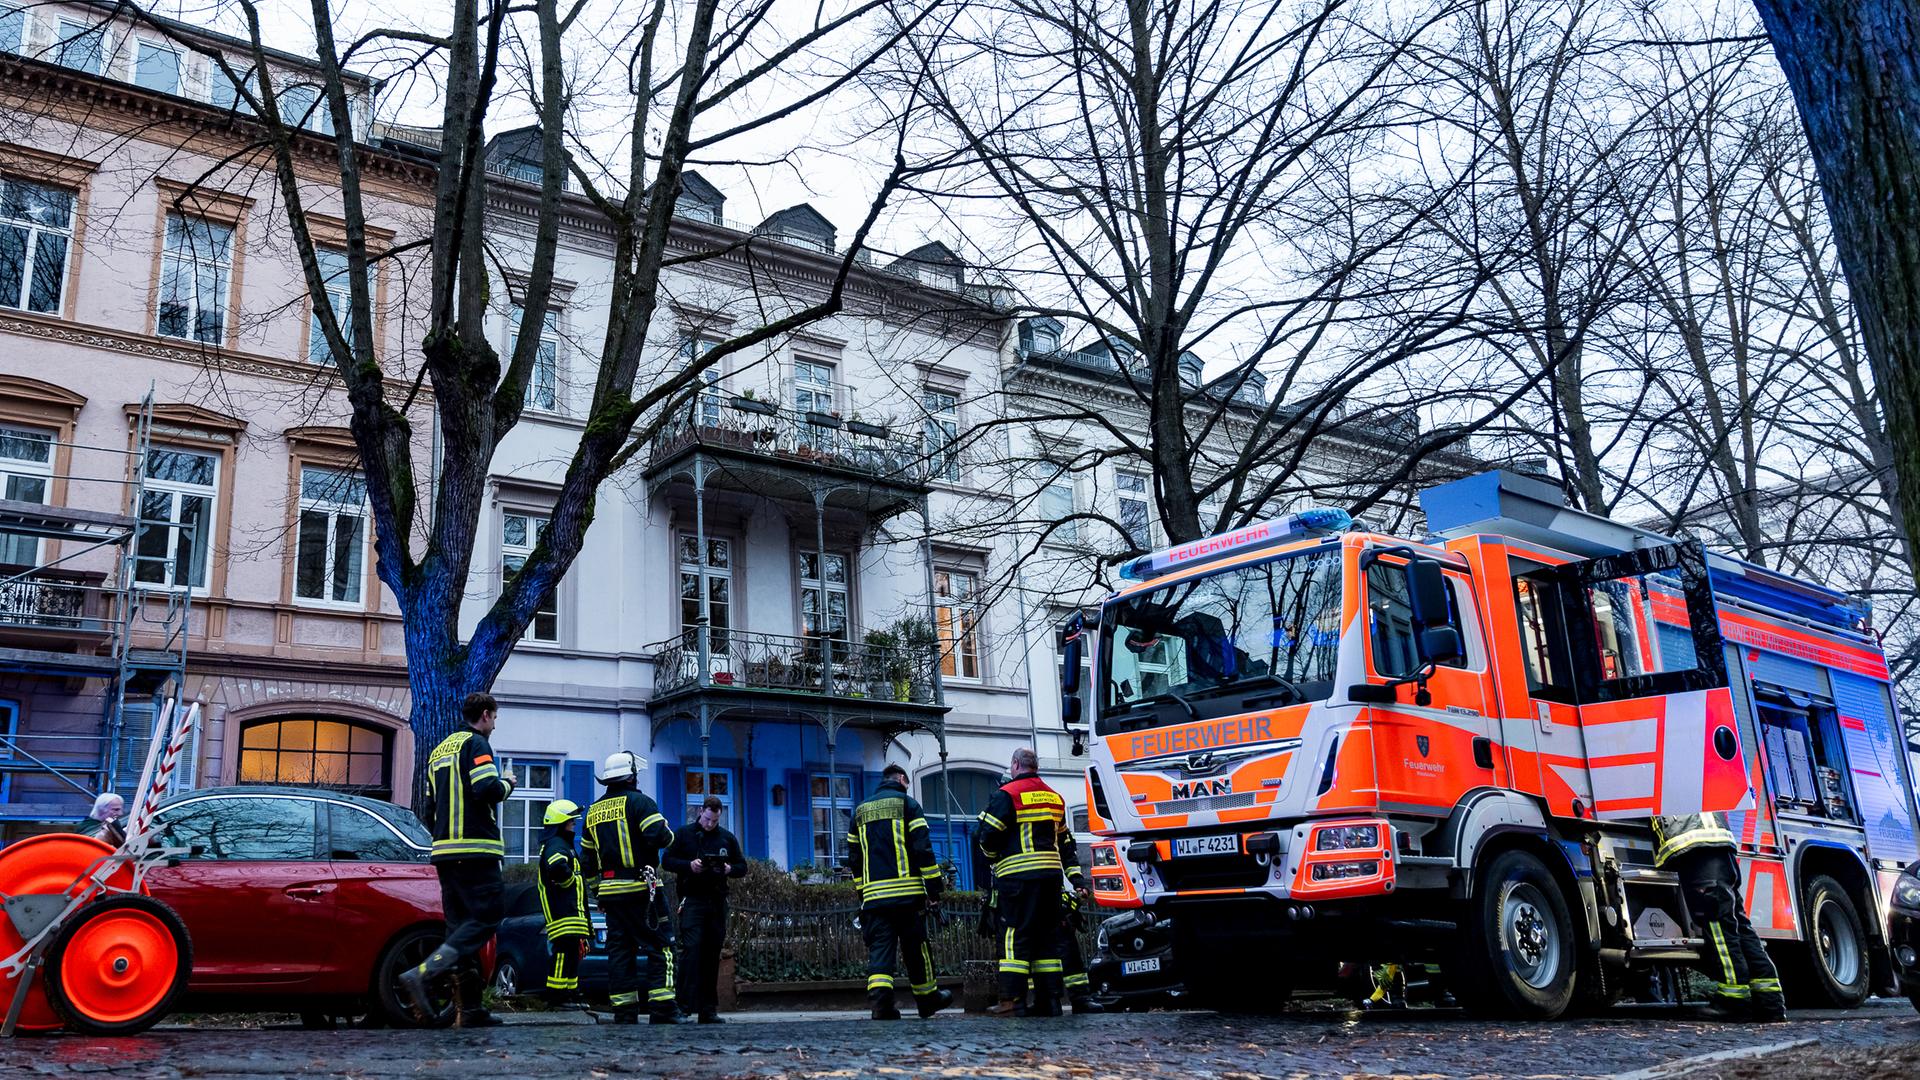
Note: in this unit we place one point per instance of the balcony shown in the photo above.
(754, 447)
(51, 611)
(776, 676)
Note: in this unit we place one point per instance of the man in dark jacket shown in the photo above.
(704, 855)
(621, 850)
(891, 851)
(464, 788)
(1024, 833)
(563, 902)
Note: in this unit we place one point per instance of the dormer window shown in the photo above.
(1046, 339)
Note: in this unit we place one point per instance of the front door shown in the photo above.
(1650, 683)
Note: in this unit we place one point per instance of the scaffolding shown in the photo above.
(86, 655)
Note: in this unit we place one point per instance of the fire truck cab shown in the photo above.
(1312, 744)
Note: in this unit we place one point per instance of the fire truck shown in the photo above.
(1311, 743)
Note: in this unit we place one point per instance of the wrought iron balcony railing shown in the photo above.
(47, 600)
(742, 660)
(802, 438)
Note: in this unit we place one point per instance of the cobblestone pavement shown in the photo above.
(1423, 1043)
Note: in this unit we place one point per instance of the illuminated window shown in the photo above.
(318, 752)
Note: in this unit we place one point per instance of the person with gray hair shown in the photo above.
(103, 820)
(1024, 835)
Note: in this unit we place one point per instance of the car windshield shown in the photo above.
(1243, 638)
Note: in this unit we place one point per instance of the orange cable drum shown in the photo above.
(45, 864)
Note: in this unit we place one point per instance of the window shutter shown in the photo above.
(672, 796)
(579, 784)
(870, 783)
(799, 819)
(752, 805)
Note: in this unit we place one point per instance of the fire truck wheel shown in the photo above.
(1836, 972)
(118, 966)
(1518, 954)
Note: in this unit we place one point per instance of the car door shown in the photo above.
(257, 899)
(382, 884)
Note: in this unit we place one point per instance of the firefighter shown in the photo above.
(563, 901)
(1024, 834)
(621, 850)
(1700, 850)
(704, 855)
(1073, 965)
(891, 851)
(464, 787)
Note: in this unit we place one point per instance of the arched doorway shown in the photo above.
(318, 751)
(958, 808)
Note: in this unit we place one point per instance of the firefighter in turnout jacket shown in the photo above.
(620, 849)
(464, 786)
(891, 851)
(563, 901)
(1024, 834)
(1700, 850)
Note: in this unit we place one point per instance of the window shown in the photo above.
(972, 788)
(82, 46)
(831, 797)
(1136, 515)
(244, 828)
(523, 815)
(320, 751)
(333, 271)
(300, 106)
(1396, 652)
(176, 514)
(1046, 339)
(706, 411)
(156, 67)
(36, 232)
(330, 547)
(1543, 645)
(520, 533)
(13, 28)
(956, 619)
(715, 782)
(26, 465)
(942, 434)
(543, 385)
(194, 269)
(357, 835)
(1056, 504)
(823, 600)
(223, 92)
(719, 587)
(813, 392)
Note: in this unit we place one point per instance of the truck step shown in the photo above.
(1638, 876)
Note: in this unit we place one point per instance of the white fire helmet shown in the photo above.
(622, 765)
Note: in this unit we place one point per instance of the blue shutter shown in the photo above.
(799, 820)
(672, 796)
(870, 783)
(752, 804)
(1786, 671)
(579, 785)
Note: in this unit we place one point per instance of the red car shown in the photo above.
(300, 900)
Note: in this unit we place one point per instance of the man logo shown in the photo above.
(1200, 762)
(1422, 742)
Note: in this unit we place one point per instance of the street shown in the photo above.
(1880, 1040)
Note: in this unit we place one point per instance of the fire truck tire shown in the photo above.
(1835, 968)
(119, 965)
(1518, 954)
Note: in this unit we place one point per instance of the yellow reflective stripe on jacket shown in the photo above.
(1678, 833)
(1024, 862)
(470, 847)
(621, 886)
(893, 889)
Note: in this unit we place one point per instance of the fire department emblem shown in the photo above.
(1422, 742)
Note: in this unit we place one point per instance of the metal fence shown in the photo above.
(744, 659)
(798, 944)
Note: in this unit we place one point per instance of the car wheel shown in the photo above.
(407, 951)
(506, 979)
(1836, 972)
(1517, 953)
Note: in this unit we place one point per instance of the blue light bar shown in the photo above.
(1250, 538)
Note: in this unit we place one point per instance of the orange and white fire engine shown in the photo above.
(1311, 743)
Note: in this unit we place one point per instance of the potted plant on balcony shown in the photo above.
(879, 662)
(861, 427)
(909, 672)
(746, 401)
(822, 419)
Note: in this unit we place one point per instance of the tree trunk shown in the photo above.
(1855, 74)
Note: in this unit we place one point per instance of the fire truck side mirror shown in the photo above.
(1072, 650)
(1427, 594)
(1441, 645)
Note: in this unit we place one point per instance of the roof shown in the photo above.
(932, 253)
(802, 218)
(696, 186)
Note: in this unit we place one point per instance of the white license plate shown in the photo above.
(1139, 967)
(1206, 845)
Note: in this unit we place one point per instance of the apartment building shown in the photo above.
(181, 511)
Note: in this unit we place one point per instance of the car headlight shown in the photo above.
(1906, 891)
(1347, 837)
(1100, 939)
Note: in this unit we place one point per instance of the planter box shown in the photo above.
(821, 419)
(871, 431)
(755, 405)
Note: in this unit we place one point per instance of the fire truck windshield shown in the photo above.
(1210, 646)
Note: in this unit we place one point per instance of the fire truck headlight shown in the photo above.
(1339, 871)
(1347, 837)
(1106, 855)
(1906, 892)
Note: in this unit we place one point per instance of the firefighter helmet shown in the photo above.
(560, 811)
(622, 765)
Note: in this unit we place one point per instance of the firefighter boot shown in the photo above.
(1769, 1004)
(882, 1006)
(933, 1003)
(1084, 1004)
(413, 990)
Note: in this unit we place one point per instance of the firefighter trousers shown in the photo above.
(703, 929)
(1736, 959)
(636, 928)
(897, 926)
(470, 898)
(563, 975)
(1073, 966)
(1030, 940)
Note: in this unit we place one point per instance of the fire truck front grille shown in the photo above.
(1213, 872)
(1208, 802)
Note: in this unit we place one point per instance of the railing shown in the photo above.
(51, 600)
(790, 945)
(808, 438)
(739, 659)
